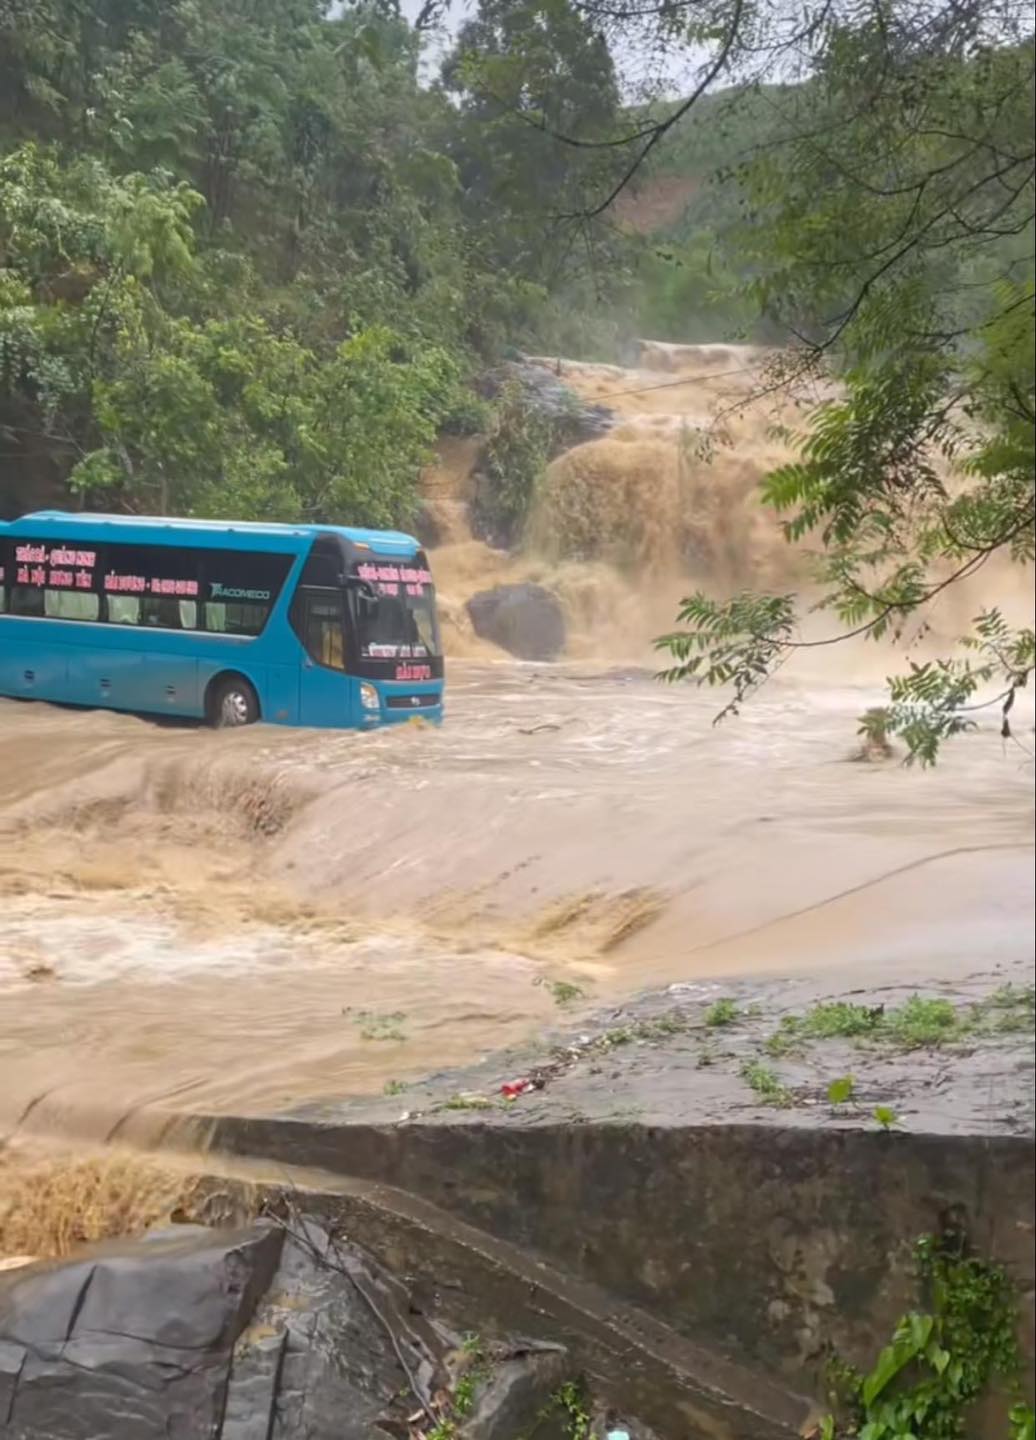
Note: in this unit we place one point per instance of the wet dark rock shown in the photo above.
(519, 1399)
(132, 1341)
(323, 1357)
(526, 620)
(545, 391)
(196, 1334)
(497, 515)
(253, 1388)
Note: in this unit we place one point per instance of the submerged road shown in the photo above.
(247, 920)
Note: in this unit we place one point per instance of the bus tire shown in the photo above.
(231, 701)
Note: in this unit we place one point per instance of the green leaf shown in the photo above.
(841, 1090)
(937, 1358)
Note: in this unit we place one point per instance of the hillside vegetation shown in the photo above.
(248, 262)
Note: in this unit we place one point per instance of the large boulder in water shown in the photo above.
(526, 620)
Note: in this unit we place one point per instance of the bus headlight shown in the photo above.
(369, 698)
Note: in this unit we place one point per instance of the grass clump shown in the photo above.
(374, 1026)
(572, 1402)
(1009, 1010)
(841, 1018)
(457, 1405)
(767, 1084)
(467, 1386)
(565, 993)
(51, 1202)
(468, 1102)
(723, 1012)
(639, 1031)
(787, 1039)
(660, 1027)
(919, 1023)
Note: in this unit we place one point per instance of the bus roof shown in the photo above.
(159, 530)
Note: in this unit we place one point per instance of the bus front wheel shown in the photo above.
(232, 702)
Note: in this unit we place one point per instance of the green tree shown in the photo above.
(235, 271)
(524, 74)
(107, 353)
(229, 418)
(895, 240)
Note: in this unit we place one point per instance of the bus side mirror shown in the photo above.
(363, 587)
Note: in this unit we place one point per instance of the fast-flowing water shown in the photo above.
(245, 919)
(213, 921)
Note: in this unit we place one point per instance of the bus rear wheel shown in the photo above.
(232, 702)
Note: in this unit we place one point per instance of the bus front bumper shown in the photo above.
(399, 703)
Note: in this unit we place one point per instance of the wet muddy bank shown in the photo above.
(769, 1227)
(692, 1242)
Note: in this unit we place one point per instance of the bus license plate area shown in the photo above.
(414, 702)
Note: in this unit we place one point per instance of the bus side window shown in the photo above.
(155, 611)
(168, 613)
(26, 600)
(322, 630)
(241, 588)
(237, 618)
(123, 610)
(153, 586)
(71, 605)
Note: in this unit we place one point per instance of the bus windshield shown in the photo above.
(393, 612)
(395, 627)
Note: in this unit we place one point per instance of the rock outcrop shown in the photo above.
(526, 620)
(576, 419)
(268, 1333)
(132, 1341)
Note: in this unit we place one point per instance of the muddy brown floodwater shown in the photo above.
(244, 920)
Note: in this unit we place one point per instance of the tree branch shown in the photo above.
(663, 127)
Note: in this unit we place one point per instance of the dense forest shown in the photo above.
(249, 261)
(251, 255)
(246, 243)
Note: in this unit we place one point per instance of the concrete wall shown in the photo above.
(768, 1244)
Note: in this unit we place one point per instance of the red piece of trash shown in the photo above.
(511, 1089)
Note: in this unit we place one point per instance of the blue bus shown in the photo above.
(317, 625)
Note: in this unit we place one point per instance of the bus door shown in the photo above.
(327, 696)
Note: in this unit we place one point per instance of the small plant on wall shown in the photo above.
(940, 1360)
